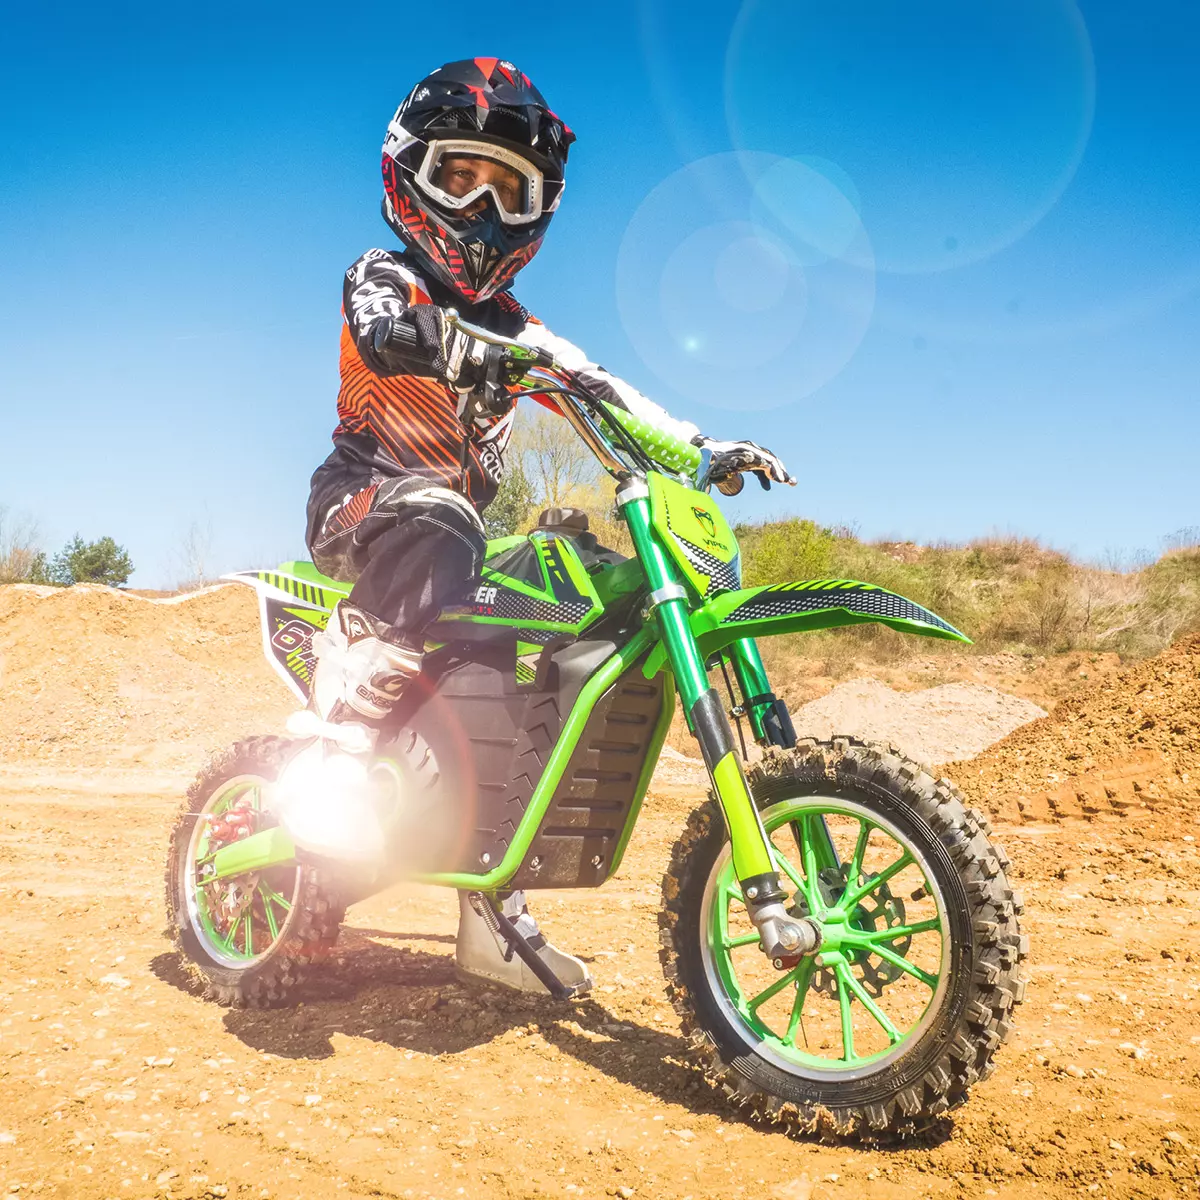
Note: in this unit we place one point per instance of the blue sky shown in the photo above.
(942, 257)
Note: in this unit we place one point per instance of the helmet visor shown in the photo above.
(458, 173)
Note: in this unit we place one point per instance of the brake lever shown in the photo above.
(535, 357)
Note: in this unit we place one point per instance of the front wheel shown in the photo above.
(914, 985)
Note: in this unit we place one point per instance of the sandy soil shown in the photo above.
(393, 1080)
(935, 725)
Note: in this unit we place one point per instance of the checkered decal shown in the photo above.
(787, 598)
(723, 576)
(511, 605)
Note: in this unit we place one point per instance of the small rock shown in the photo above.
(625, 1192)
(1075, 1072)
(1115, 1145)
(310, 1101)
(115, 980)
(1135, 1052)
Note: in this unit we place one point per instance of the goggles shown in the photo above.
(517, 186)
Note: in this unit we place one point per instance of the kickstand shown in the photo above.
(497, 922)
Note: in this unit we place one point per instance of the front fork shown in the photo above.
(782, 936)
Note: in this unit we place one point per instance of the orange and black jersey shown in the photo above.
(390, 423)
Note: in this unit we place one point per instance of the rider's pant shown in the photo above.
(409, 546)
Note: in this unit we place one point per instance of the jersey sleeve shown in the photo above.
(610, 388)
(378, 286)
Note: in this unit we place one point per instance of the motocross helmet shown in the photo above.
(481, 108)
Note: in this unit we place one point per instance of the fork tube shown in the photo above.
(752, 858)
(752, 679)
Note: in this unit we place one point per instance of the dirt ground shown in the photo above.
(391, 1079)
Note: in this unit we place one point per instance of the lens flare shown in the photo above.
(961, 124)
(743, 280)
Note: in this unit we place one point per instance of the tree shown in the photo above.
(555, 461)
(510, 509)
(18, 548)
(102, 561)
(193, 557)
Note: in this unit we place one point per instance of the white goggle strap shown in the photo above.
(529, 173)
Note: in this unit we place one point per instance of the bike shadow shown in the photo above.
(411, 1001)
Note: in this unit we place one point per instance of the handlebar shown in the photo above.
(578, 415)
(580, 419)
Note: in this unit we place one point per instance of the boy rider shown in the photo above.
(473, 169)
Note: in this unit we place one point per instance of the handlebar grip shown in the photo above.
(389, 333)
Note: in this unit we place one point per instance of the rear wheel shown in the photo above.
(247, 939)
(915, 982)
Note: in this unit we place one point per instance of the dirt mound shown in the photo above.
(1131, 740)
(89, 675)
(937, 725)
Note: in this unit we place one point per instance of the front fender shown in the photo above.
(801, 608)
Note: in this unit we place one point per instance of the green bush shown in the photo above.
(510, 510)
(101, 561)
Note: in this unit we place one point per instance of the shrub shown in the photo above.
(101, 561)
(510, 510)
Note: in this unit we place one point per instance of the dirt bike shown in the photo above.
(838, 934)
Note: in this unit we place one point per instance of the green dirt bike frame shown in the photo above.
(685, 574)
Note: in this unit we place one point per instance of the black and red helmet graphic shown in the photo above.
(488, 102)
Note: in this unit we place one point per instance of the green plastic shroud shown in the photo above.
(802, 608)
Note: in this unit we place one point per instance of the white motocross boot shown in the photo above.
(484, 956)
(325, 795)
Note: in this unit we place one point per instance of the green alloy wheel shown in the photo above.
(914, 984)
(248, 938)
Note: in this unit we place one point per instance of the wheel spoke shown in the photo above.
(811, 891)
(790, 871)
(735, 893)
(744, 939)
(804, 974)
(275, 897)
(768, 992)
(272, 925)
(847, 1025)
(853, 895)
(228, 942)
(930, 981)
(874, 937)
(847, 980)
(860, 849)
(249, 938)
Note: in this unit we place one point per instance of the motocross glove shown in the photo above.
(422, 341)
(731, 459)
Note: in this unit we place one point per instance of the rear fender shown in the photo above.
(802, 608)
(291, 608)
